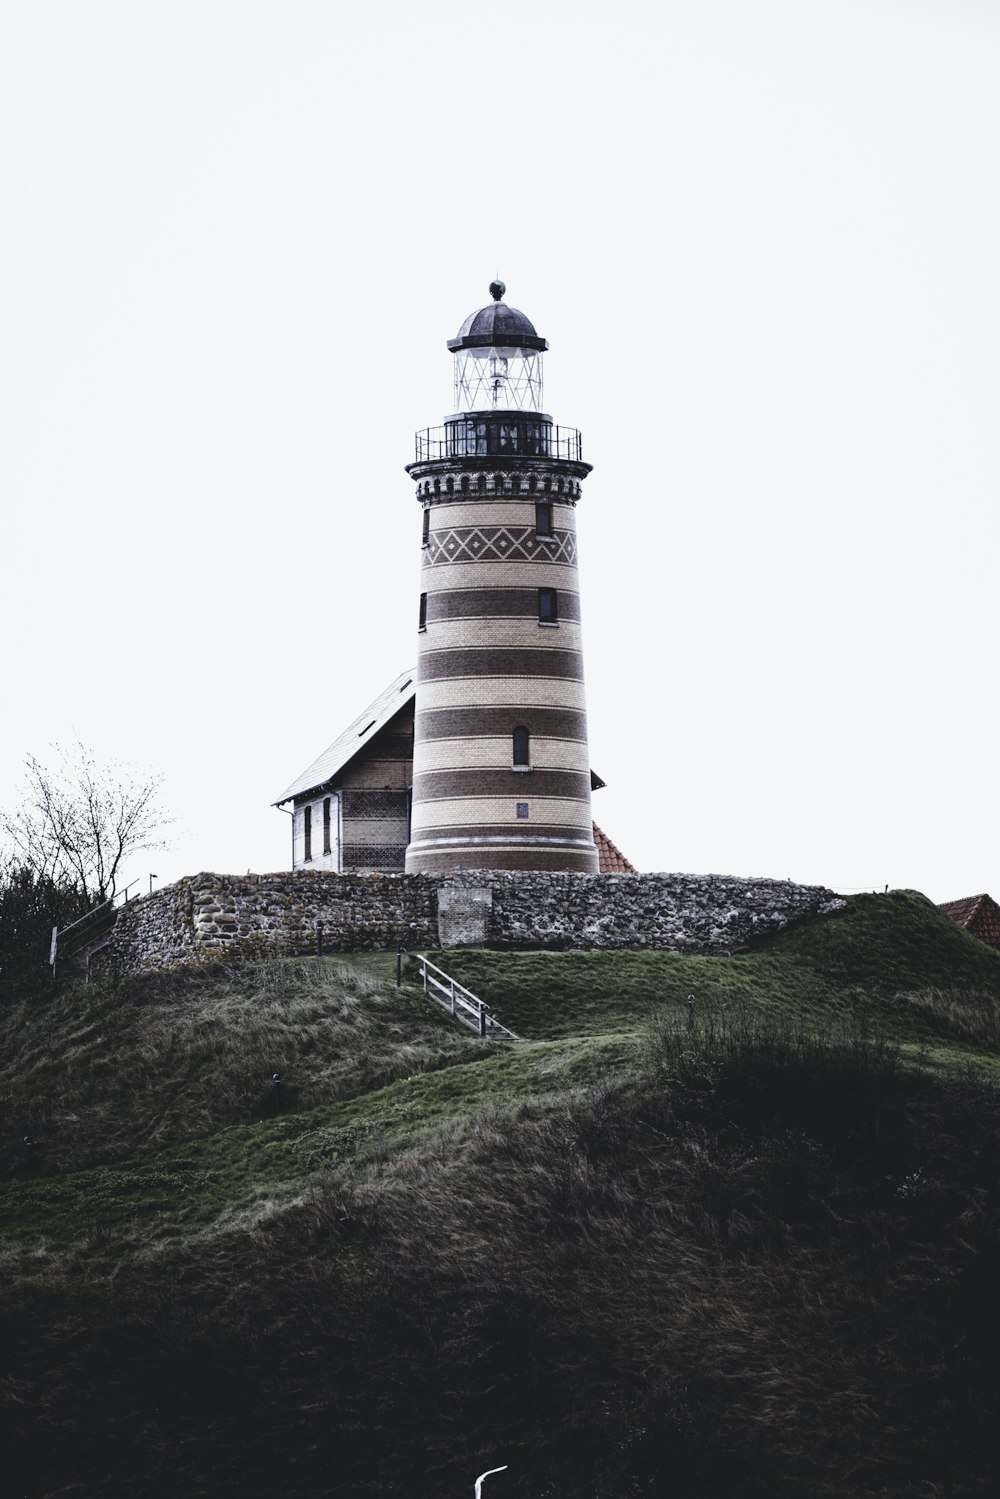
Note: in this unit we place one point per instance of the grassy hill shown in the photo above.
(755, 1258)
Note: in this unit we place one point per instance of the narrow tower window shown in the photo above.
(522, 746)
(548, 606)
(426, 533)
(307, 832)
(326, 824)
(423, 612)
(543, 518)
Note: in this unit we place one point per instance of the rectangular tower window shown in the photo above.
(543, 518)
(522, 746)
(326, 824)
(548, 606)
(307, 832)
(423, 612)
(426, 533)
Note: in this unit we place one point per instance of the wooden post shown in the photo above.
(482, 1021)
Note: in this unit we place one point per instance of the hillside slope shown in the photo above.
(757, 1258)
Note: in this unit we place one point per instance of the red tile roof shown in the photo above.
(979, 914)
(612, 860)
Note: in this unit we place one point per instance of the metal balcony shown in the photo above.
(506, 435)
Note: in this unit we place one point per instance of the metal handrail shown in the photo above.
(100, 918)
(463, 1004)
(119, 895)
(105, 908)
(86, 916)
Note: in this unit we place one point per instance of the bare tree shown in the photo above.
(79, 820)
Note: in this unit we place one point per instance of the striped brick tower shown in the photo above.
(501, 769)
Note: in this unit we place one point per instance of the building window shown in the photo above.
(522, 746)
(543, 518)
(326, 824)
(548, 606)
(307, 832)
(423, 612)
(426, 534)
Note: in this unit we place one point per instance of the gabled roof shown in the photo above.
(357, 734)
(611, 859)
(962, 911)
(397, 695)
(979, 914)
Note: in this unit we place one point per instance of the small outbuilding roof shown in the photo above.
(397, 695)
(979, 914)
(611, 859)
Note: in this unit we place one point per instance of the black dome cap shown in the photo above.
(497, 326)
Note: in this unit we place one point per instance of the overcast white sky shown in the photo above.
(763, 239)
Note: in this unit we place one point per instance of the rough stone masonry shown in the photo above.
(206, 917)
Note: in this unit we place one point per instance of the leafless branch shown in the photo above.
(79, 820)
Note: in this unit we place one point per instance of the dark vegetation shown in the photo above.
(31, 904)
(62, 854)
(758, 1258)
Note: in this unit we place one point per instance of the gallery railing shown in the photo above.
(506, 436)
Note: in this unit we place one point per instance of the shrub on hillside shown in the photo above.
(31, 904)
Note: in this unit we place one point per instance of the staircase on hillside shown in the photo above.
(76, 944)
(459, 1001)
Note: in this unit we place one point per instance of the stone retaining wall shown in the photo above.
(674, 912)
(209, 916)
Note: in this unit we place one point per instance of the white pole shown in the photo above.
(479, 1480)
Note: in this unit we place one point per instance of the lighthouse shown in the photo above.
(501, 769)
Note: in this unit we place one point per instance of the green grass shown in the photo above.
(248, 1167)
(753, 1259)
(103, 1072)
(168, 1079)
(894, 960)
